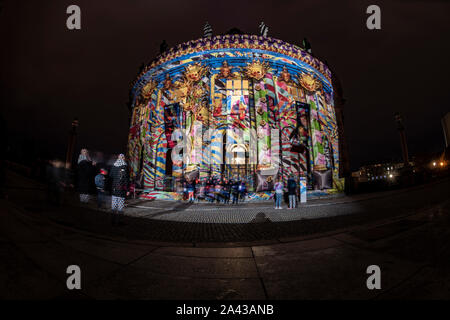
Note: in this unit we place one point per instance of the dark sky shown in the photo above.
(50, 74)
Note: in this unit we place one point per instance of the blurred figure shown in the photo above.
(226, 191)
(55, 181)
(191, 190)
(119, 187)
(184, 183)
(100, 183)
(235, 191)
(209, 194)
(242, 191)
(98, 160)
(278, 193)
(84, 175)
(218, 191)
(292, 191)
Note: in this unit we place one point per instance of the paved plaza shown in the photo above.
(321, 255)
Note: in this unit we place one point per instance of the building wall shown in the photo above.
(258, 91)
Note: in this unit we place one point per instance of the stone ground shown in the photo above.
(322, 256)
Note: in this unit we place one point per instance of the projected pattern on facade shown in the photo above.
(227, 92)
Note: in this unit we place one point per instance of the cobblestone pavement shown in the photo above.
(407, 234)
(263, 222)
(412, 252)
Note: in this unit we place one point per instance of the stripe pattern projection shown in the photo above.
(329, 118)
(271, 98)
(139, 136)
(318, 156)
(133, 143)
(322, 116)
(176, 165)
(262, 122)
(204, 143)
(149, 152)
(219, 118)
(288, 122)
(303, 138)
(159, 140)
(238, 118)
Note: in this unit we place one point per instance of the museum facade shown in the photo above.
(243, 107)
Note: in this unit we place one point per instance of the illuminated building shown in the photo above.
(220, 90)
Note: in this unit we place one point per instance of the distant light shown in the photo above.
(391, 175)
(434, 164)
(442, 164)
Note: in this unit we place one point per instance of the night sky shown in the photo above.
(50, 74)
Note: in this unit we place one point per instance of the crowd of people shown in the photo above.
(215, 190)
(235, 190)
(111, 183)
(91, 179)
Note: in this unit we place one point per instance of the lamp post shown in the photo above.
(401, 129)
(71, 143)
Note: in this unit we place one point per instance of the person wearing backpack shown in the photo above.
(292, 192)
(100, 184)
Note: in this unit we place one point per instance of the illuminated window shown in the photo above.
(237, 87)
(296, 93)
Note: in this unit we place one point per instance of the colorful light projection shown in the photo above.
(228, 94)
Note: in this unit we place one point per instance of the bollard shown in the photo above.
(302, 189)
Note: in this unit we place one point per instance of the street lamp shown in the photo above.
(71, 144)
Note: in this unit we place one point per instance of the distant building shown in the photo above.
(380, 171)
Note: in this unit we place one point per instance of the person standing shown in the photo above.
(292, 192)
(119, 187)
(184, 184)
(226, 191)
(56, 180)
(100, 183)
(218, 191)
(242, 191)
(209, 195)
(84, 175)
(278, 193)
(190, 190)
(235, 192)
